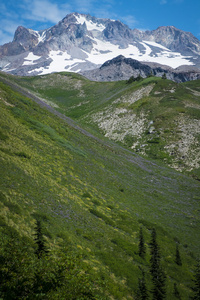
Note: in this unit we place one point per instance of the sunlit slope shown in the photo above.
(156, 118)
(95, 194)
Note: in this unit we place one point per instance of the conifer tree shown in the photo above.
(196, 281)
(39, 239)
(142, 248)
(138, 78)
(142, 293)
(131, 80)
(178, 257)
(158, 276)
(176, 292)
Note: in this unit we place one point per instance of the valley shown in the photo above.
(91, 183)
(156, 118)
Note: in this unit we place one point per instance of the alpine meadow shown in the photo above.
(99, 152)
(99, 188)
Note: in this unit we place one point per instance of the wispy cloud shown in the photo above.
(9, 26)
(129, 20)
(29, 13)
(5, 37)
(41, 14)
(178, 1)
(162, 2)
(198, 26)
(101, 9)
(43, 11)
(7, 33)
(83, 6)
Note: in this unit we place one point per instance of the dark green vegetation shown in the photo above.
(158, 276)
(196, 283)
(58, 275)
(91, 198)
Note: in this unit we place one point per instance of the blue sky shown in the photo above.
(141, 14)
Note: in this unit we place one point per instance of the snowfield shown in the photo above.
(104, 51)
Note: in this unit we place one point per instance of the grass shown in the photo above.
(94, 195)
(170, 106)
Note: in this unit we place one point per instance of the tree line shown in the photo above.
(139, 77)
(32, 271)
(158, 276)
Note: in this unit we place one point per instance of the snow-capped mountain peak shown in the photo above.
(81, 42)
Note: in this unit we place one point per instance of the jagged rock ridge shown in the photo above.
(82, 42)
(122, 68)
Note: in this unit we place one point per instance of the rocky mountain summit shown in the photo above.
(81, 42)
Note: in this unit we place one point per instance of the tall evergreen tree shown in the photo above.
(176, 292)
(158, 276)
(142, 293)
(131, 80)
(39, 239)
(196, 281)
(142, 248)
(178, 257)
(139, 77)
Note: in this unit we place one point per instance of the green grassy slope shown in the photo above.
(157, 118)
(94, 195)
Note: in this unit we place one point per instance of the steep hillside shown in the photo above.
(90, 193)
(155, 117)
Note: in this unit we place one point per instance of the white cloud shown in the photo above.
(9, 26)
(29, 13)
(8, 30)
(43, 11)
(5, 37)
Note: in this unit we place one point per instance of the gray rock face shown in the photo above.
(82, 42)
(121, 68)
(174, 39)
(118, 34)
(28, 39)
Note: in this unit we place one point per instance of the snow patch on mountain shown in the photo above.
(154, 44)
(60, 62)
(30, 59)
(89, 24)
(33, 32)
(41, 37)
(104, 51)
(81, 42)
